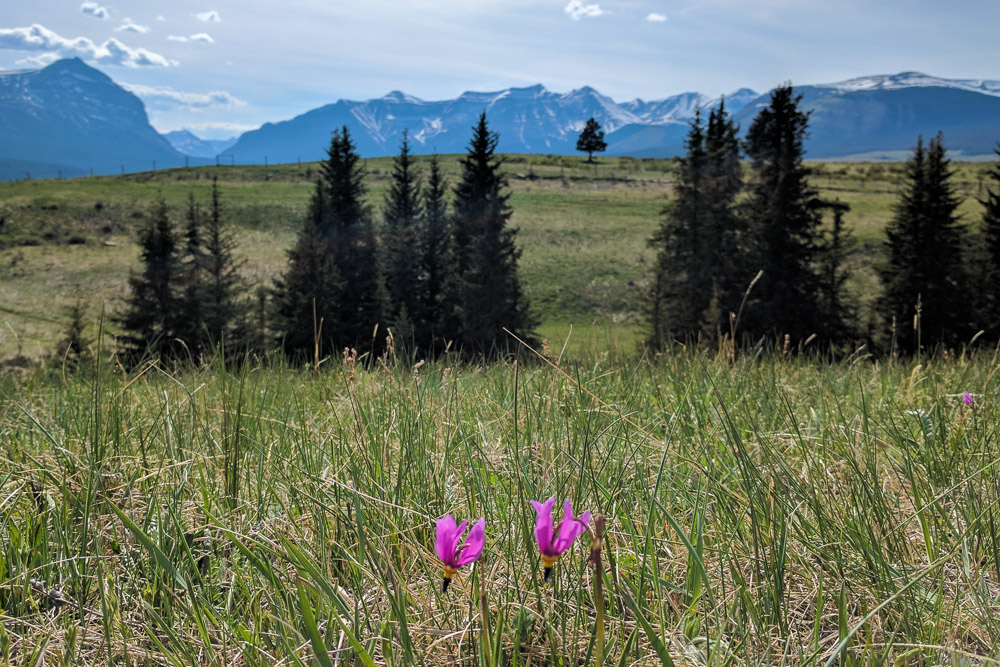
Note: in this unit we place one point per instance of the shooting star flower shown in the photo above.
(453, 551)
(555, 539)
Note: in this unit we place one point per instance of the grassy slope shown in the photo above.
(583, 231)
(759, 513)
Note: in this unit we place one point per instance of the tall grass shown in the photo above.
(767, 511)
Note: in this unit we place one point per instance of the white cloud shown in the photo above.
(130, 26)
(209, 17)
(232, 128)
(202, 37)
(161, 17)
(577, 10)
(42, 60)
(94, 9)
(656, 18)
(112, 52)
(164, 94)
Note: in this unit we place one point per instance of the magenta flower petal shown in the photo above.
(474, 543)
(967, 397)
(448, 535)
(543, 526)
(570, 528)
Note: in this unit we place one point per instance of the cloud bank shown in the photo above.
(656, 18)
(112, 52)
(217, 99)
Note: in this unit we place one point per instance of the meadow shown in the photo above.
(759, 508)
(763, 510)
(583, 231)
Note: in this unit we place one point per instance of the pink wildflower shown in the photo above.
(455, 553)
(967, 397)
(555, 539)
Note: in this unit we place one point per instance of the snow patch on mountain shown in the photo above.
(913, 80)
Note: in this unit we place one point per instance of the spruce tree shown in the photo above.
(989, 282)
(434, 243)
(699, 273)
(306, 297)
(836, 313)
(489, 296)
(191, 281)
(223, 304)
(404, 275)
(726, 273)
(783, 219)
(332, 295)
(154, 306)
(675, 292)
(925, 301)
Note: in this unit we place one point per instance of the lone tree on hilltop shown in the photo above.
(489, 294)
(925, 299)
(591, 140)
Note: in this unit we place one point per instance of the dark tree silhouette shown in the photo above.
(331, 295)
(489, 297)
(783, 217)
(925, 301)
(591, 140)
(404, 274)
(154, 307)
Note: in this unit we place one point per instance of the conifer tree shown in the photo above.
(726, 272)
(154, 305)
(404, 275)
(675, 291)
(489, 294)
(989, 281)
(591, 140)
(783, 219)
(437, 275)
(191, 281)
(925, 297)
(223, 299)
(699, 273)
(836, 314)
(307, 295)
(332, 295)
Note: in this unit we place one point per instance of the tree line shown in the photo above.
(744, 258)
(423, 277)
(742, 255)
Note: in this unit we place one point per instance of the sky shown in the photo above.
(221, 67)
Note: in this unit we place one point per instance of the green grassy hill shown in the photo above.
(583, 232)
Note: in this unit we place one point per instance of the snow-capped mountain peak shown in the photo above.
(913, 80)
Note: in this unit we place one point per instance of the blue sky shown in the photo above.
(219, 67)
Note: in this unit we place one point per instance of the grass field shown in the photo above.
(583, 230)
(769, 511)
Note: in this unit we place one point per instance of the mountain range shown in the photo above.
(70, 119)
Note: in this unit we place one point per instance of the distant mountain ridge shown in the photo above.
(188, 143)
(69, 118)
(871, 117)
(529, 120)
